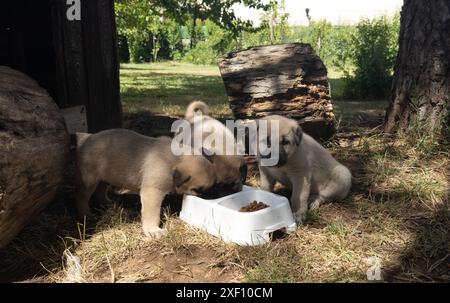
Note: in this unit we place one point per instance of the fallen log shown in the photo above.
(287, 79)
(34, 148)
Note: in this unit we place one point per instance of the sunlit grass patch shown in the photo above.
(168, 87)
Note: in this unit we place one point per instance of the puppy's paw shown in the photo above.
(314, 205)
(155, 232)
(300, 218)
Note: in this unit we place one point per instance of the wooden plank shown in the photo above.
(75, 118)
(72, 87)
(87, 60)
(62, 97)
(102, 64)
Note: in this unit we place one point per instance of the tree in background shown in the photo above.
(421, 86)
(372, 52)
(320, 32)
(144, 22)
(319, 35)
(140, 22)
(218, 11)
(275, 22)
(338, 51)
(213, 42)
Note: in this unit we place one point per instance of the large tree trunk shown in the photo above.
(286, 79)
(34, 147)
(421, 86)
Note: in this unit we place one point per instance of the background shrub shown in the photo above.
(372, 52)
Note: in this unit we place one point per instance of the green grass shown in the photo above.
(168, 87)
(337, 84)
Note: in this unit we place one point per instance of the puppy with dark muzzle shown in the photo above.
(141, 165)
(305, 167)
(230, 170)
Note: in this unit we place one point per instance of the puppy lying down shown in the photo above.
(142, 165)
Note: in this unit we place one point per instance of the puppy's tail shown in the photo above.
(196, 106)
(81, 138)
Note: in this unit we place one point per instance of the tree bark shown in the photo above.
(286, 79)
(34, 148)
(421, 86)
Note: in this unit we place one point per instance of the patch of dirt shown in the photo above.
(189, 265)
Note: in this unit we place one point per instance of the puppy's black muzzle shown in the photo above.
(282, 157)
(221, 190)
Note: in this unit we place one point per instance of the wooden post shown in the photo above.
(287, 79)
(87, 61)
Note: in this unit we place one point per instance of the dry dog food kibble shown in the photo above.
(254, 206)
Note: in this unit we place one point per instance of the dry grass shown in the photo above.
(398, 210)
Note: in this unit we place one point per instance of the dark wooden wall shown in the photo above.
(76, 61)
(26, 40)
(87, 59)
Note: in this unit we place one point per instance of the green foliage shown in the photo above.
(123, 50)
(202, 31)
(215, 42)
(218, 11)
(338, 52)
(137, 20)
(319, 35)
(274, 23)
(154, 28)
(373, 50)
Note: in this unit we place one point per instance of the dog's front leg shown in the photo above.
(151, 200)
(267, 180)
(85, 187)
(300, 195)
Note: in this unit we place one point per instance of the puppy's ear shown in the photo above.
(209, 155)
(179, 178)
(298, 134)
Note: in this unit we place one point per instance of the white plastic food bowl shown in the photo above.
(221, 217)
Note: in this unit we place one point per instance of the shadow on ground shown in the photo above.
(427, 257)
(40, 246)
(149, 124)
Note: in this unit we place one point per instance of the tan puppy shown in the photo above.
(306, 167)
(230, 170)
(141, 165)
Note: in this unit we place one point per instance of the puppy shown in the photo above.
(230, 170)
(305, 167)
(141, 165)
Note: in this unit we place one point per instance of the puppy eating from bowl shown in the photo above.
(230, 168)
(304, 166)
(141, 165)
